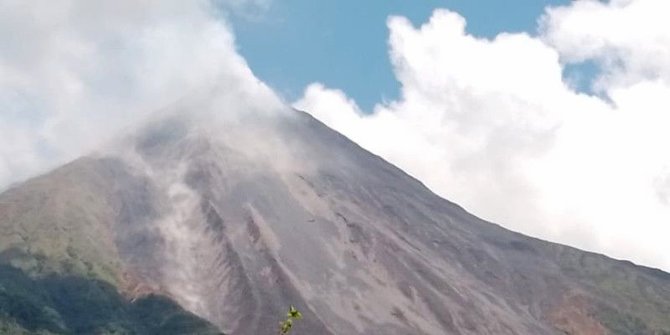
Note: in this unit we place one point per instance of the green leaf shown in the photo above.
(286, 326)
(294, 313)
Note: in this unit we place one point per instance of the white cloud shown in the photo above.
(492, 125)
(72, 73)
(629, 39)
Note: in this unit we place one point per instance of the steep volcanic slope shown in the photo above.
(237, 218)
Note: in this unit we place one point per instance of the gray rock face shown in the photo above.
(238, 219)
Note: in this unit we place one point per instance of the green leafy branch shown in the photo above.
(286, 325)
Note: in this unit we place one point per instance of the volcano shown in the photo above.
(191, 225)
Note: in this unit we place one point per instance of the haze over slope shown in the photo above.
(237, 215)
(498, 116)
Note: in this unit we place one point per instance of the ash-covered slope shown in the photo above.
(238, 218)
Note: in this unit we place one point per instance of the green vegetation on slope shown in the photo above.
(76, 305)
(60, 223)
(636, 302)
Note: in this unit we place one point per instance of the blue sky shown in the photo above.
(343, 43)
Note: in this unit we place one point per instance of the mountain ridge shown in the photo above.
(236, 219)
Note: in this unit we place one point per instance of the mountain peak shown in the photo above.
(237, 216)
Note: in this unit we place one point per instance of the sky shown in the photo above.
(550, 118)
(292, 43)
